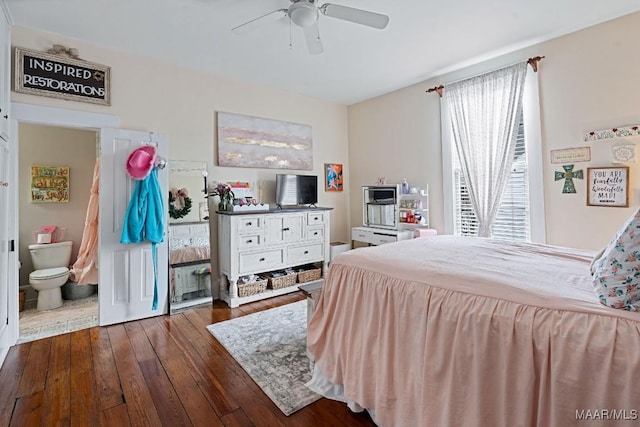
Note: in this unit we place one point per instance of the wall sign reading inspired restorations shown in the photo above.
(44, 74)
(608, 186)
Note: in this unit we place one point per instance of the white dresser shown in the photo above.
(252, 243)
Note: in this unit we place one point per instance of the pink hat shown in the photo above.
(141, 161)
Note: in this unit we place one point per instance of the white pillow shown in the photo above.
(616, 274)
(596, 259)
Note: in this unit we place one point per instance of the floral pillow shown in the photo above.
(616, 274)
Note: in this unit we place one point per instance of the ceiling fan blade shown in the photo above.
(312, 34)
(359, 16)
(259, 21)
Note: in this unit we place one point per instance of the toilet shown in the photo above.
(50, 262)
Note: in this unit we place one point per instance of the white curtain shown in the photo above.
(484, 114)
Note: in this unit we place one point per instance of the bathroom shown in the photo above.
(52, 146)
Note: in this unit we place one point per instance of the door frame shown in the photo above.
(38, 114)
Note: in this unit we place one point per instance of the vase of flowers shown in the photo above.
(226, 195)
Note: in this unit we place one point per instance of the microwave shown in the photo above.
(380, 206)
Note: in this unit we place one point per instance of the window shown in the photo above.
(512, 221)
(521, 213)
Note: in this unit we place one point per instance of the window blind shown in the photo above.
(513, 219)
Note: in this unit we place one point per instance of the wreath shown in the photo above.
(179, 198)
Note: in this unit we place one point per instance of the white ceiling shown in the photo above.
(423, 38)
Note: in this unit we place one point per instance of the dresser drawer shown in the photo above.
(250, 240)
(301, 254)
(249, 224)
(315, 218)
(260, 261)
(315, 233)
(361, 235)
(200, 229)
(379, 239)
(188, 230)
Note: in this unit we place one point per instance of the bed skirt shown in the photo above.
(421, 352)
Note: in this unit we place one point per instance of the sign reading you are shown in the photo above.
(608, 186)
(45, 74)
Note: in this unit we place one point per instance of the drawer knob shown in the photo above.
(249, 241)
(248, 224)
(285, 229)
(261, 259)
(306, 252)
(315, 234)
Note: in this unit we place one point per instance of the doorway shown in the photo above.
(43, 149)
(46, 116)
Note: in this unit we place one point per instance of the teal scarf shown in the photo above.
(144, 220)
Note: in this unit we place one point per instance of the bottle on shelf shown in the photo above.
(405, 186)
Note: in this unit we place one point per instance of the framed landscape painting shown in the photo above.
(332, 177)
(254, 142)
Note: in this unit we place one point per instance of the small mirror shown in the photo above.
(186, 184)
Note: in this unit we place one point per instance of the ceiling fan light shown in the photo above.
(303, 14)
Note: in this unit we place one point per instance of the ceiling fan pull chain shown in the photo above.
(290, 43)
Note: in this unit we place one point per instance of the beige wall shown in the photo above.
(54, 146)
(588, 81)
(152, 95)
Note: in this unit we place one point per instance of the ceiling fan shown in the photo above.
(305, 14)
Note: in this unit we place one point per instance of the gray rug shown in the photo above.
(271, 346)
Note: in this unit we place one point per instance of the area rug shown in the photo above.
(72, 316)
(271, 346)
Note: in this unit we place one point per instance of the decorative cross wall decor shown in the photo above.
(568, 176)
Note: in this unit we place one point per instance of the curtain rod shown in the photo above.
(531, 61)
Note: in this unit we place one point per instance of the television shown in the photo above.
(295, 190)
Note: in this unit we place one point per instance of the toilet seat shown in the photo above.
(49, 273)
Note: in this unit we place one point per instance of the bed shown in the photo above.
(453, 331)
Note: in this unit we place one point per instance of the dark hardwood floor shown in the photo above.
(163, 371)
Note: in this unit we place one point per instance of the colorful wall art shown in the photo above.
(332, 177)
(253, 142)
(50, 184)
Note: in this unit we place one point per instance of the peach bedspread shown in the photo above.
(189, 254)
(451, 331)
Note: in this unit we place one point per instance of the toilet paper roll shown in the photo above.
(44, 238)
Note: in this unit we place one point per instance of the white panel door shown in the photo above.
(5, 247)
(126, 270)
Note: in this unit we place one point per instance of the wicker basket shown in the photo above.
(252, 288)
(309, 275)
(280, 282)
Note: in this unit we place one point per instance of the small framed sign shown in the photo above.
(571, 155)
(608, 186)
(50, 184)
(46, 74)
